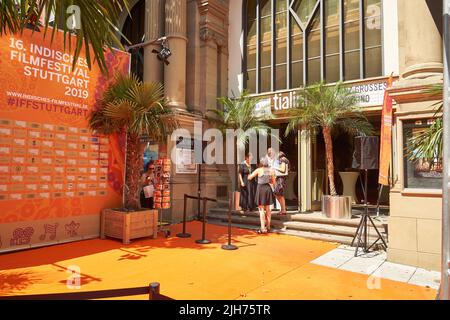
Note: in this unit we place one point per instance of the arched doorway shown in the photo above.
(134, 31)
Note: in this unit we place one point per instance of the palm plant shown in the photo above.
(328, 108)
(135, 108)
(97, 23)
(428, 145)
(238, 114)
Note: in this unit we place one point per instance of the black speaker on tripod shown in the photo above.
(365, 158)
(366, 155)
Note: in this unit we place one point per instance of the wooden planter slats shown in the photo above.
(129, 225)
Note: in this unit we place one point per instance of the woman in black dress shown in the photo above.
(248, 187)
(281, 172)
(264, 194)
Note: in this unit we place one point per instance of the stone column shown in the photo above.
(154, 29)
(420, 41)
(175, 73)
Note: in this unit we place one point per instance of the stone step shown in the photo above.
(318, 218)
(344, 231)
(301, 234)
(243, 220)
(222, 204)
(222, 211)
(309, 226)
(318, 236)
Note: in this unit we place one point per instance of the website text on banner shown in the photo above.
(55, 175)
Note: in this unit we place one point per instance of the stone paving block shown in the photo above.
(425, 278)
(334, 258)
(362, 265)
(395, 272)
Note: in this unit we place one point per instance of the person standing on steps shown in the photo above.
(281, 173)
(248, 187)
(264, 194)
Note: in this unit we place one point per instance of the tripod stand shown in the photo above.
(362, 233)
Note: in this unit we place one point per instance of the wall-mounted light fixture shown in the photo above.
(163, 54)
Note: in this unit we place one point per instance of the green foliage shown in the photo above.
(239, 114)
(98, 20)
(429, 144)
(328, 108)
(132, 106)
(334, 107)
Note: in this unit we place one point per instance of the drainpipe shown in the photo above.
(445, 273)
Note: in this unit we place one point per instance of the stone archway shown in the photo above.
(123, 17)
(133, 28)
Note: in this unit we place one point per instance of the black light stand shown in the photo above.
(230, 246)
(362, 234)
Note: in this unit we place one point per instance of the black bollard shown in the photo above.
(203, 240)
(154, 291)
(230, 246)
(184, 234)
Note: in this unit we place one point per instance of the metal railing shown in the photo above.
(205, 200)
(153, 291)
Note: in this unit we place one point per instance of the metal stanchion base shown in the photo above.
(203, 241)
(229, 247)
(184, 235)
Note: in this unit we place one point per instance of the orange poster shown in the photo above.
(386, 138)
(55, 175)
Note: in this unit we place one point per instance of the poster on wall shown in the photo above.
(185, 156)
(151, 153)
(55, 174)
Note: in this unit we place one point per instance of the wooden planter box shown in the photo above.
(129, 225)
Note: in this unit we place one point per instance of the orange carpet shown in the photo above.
(265, 267)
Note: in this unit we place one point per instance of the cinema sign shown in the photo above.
(369, 94)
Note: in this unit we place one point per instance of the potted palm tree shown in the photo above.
(329, 108)
(134, 108)
(238, 114)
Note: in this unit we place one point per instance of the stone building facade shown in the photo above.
(271, 48)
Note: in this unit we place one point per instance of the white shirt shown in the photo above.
(272, 162)
(282, 174)
(148, 191)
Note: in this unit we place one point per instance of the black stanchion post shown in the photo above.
(230, 246)
(199, 190)
(154, 291)
(203, 240)
(184, 234)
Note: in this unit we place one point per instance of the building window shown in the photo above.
(421, 174)
(293, 43)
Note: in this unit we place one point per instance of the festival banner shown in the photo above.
(386, 138)
(55, 174)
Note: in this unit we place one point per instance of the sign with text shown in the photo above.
(55, 174)
(185, 156)
(369, 94)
